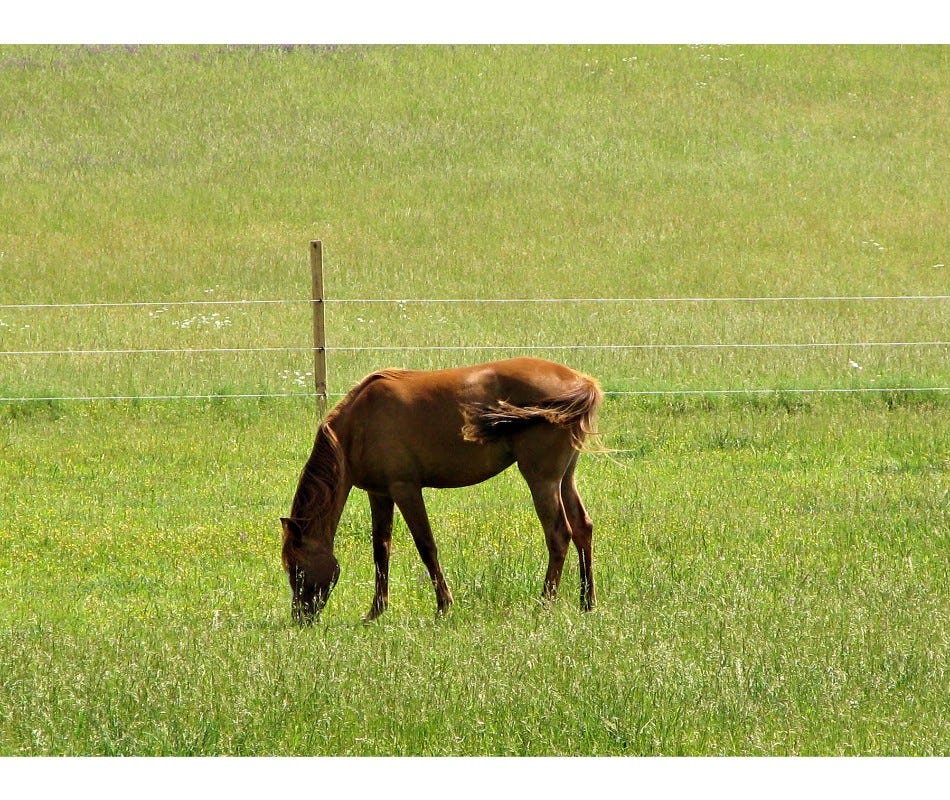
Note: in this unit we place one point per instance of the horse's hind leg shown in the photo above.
(582, 532)
(544, 455)
(557, 535)
(381, 508)
(408, 498)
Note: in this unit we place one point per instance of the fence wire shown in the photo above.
(475, 300)
(476, 348)
(632, 393)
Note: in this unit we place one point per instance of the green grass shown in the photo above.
(772, 568)
(770, 583)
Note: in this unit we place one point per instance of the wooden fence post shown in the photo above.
(319, 328)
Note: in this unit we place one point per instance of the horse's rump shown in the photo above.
(573, 410)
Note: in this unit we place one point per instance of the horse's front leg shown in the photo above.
(381, 508)
(408, 498)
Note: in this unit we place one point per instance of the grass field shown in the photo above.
(772, 569)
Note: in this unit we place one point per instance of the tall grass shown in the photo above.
(770, 583)
(772, 569)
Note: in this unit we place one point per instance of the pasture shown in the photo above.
(772, 568)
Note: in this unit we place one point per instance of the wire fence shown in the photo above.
(478, 348)
(615, 347)
(478, 300)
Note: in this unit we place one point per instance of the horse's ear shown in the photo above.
(291, 529)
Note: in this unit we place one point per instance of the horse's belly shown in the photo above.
(462, 464)
(454, 475)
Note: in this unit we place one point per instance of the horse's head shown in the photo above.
(312, 570)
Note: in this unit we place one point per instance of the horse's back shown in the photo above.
(517, 380)
(433, 395)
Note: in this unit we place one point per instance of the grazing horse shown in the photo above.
(398, 431)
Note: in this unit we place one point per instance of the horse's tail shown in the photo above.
(573, 410)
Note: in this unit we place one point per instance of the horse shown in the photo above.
(398, 431)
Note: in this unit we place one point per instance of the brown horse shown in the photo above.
(398, 431)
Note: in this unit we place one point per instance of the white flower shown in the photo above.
(204, 321)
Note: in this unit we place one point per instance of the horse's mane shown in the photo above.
(315, 501)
